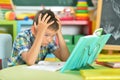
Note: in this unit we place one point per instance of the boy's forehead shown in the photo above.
(51, 31)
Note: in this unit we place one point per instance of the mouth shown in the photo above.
(45, 44)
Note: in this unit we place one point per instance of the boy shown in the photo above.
(34, 44)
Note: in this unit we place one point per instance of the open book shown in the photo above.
(48, 66)
(84, 53)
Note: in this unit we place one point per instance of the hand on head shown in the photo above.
(43, 22)
(46, 19)
(59, 23)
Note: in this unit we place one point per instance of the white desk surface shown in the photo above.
(22, 73)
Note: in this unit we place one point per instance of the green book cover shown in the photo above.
(86, 51)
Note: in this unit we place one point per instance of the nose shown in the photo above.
(49, 39)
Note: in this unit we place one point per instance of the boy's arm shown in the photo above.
(62, 52)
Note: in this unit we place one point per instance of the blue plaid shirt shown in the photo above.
(23, 42)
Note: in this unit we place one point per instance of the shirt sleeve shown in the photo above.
(21, 44)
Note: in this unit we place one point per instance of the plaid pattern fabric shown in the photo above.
(23, 42)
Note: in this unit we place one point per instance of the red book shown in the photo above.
(5, 6)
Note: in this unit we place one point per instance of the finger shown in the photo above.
(39, 19)
(57, 18)
(44, 17)
(59, 23)
(35, 24)
(50, 23)
(47, 19)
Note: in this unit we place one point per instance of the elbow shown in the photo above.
(30, 63)
(64, 59)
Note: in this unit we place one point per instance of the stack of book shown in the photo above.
(112, 60)
(5, 7)
(6, 4)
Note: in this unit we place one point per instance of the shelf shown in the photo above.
(79, 23)
(9, 27)
(75, 22)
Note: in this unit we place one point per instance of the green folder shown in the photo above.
(86, 51)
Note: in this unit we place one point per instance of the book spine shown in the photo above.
(109, 64)
(5, 6)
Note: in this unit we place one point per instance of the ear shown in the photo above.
(33, 29)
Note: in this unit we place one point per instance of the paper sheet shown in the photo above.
(48, 66)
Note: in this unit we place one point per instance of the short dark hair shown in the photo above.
(54, 26)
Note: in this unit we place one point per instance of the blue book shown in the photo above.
(86, 51)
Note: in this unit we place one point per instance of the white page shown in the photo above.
(48, 66)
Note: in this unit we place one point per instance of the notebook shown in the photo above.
(86, 51)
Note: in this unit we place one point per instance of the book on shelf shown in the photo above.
(100, 74)
(6, 4)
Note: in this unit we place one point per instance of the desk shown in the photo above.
(22, 73)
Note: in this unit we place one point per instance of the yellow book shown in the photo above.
(100, 74)
(7, 4)
(5, 1)
(108, 58)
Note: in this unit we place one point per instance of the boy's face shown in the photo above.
(48, 37)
